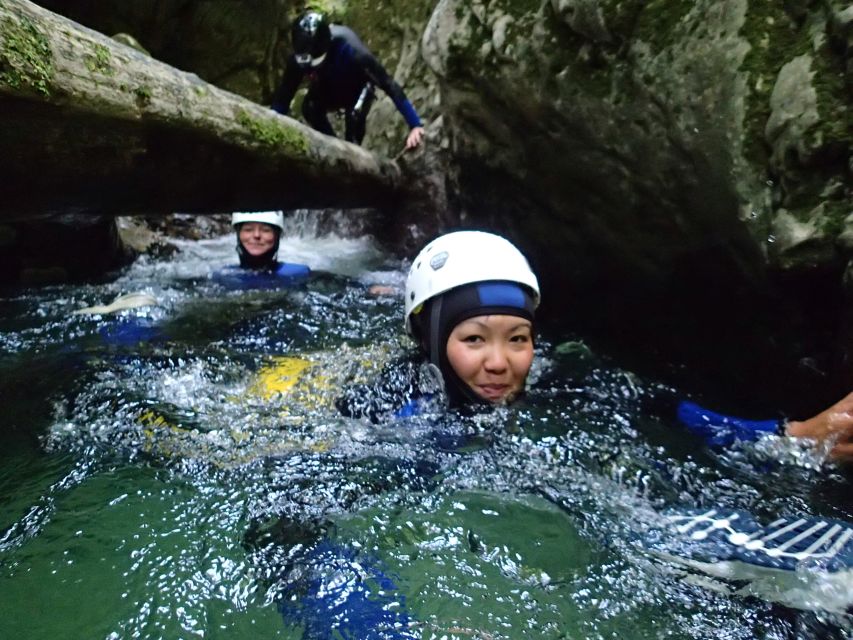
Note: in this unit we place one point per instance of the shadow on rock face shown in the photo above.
(66, 248)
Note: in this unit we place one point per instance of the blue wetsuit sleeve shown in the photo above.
(287, 89)
(292, 270)
(377, 74)
(722, 430)
(411, 408)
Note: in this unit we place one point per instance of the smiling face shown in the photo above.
(492, 355)
(257, 238)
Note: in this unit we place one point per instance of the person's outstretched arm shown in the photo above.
(377, 74)
(290, 82)
(834, 423)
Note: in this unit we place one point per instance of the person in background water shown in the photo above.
(470, 299)
(258, 235)
(342, 74)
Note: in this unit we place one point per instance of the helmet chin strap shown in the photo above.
(435, 332)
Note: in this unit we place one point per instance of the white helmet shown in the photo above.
(274, 218)
(464, 257)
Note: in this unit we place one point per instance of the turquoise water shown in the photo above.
(117, 527)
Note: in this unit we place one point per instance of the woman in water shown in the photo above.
(470, 299)
(469, 304)
(258, 237)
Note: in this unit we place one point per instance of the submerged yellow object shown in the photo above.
(278, 377)
(284, 407)
(126, 301)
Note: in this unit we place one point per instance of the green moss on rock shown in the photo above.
(26, 59)
(835, 215)
(622, 18)
(99, 60)
(270, 133)
(384, 26)
(657, 23)
(143, 95)
(832, 102)
(775, 40)
(586, 73)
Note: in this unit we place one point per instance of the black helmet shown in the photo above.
(311, 37)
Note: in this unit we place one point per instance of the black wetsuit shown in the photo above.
(396, 392)
(344, 80)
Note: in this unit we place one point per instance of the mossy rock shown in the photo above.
(26, 60)
(270, 133)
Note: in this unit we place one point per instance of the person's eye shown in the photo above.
(521, 338)
(473, 338)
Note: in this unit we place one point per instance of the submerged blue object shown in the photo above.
(408, 410)
(802, 562)
(129, 332)
(721, 430)
(734, 537)
(285, 274)
(342, 594)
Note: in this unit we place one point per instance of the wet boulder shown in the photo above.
(60, 249)
(649, 155)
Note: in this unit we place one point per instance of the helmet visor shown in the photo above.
(305, 60)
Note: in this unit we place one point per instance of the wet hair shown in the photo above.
(262, 262)
(440, 315)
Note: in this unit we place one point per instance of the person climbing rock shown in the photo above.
(342, 74)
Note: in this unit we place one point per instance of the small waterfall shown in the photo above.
(343, 223)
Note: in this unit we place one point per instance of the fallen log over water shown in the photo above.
(90, 124)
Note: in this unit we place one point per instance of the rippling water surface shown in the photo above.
(151, 485)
